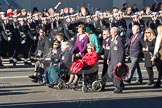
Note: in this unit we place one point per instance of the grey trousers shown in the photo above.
(133, 66)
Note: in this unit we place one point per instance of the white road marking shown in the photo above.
(13, 77)
(16, 77)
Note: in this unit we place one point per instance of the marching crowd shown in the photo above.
(49, 37)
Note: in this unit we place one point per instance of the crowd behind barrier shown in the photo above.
(51, 38)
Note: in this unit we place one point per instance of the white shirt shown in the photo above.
(157, 44)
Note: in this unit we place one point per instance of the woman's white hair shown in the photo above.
(91, 45)
(135, 27)
(65, 44)
(115, 29)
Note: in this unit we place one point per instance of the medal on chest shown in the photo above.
(115, 48)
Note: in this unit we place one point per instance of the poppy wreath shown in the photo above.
(121, 72)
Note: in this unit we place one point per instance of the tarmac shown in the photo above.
(17, 91)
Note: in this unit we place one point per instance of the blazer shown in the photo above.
(136, 46)
(106, 47)
(43, 46)
(81, 45)
(116, 53)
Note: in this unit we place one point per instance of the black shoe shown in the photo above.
(32, 60)
(19, 59)
(150, 83)
(1, 65)
(11, 61)
(117, 91)
(157, 85)
(33, 77)
(35, 80)
(127, 81)
(14, 63)
(27, 64)
(51, 85)
(129, 60)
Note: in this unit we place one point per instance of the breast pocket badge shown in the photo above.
(116, 42)
(115, 48)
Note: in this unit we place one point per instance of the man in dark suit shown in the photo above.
(106, 48)
(43, 44)
(42, 50)
(115, 57)
(136, 43)
(1, 28)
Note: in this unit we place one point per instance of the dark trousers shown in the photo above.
(0, 60)
(159, 69)
(150, 74)
(105, 67)
(117, 83)
(110, 76)
(33, 47)
(21, 49)
(7, 49)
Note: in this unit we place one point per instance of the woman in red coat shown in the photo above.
(90, 59)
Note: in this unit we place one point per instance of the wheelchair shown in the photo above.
(88, 79)
(53, 76)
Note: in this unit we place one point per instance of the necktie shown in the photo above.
(112, 41)
(57, 24)
(94, 24)
(52, 25)
(101, 23)
(133, 39)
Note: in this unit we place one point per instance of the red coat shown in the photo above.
(88, 59)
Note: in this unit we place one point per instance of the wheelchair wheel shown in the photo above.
(84, 89)
(96, 86)
(60, 86)
(41, 82)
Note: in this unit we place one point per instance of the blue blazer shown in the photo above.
(136, 47)
(116, 53)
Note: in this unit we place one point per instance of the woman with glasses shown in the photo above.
(53, 57)
(148, 49)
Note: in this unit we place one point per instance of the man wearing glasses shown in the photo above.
(106, 47)
(115, 58)
(42, 50)
(43, 44)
